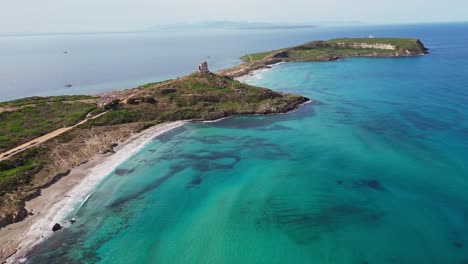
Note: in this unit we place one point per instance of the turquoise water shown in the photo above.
(373, 171)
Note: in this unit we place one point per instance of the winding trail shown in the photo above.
(44, 138)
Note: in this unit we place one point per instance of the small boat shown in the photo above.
(68, 85)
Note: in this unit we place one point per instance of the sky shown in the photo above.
(33, 16)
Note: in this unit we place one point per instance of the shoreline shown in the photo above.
(249, 72)
(65, 196)
(57, 201)
(360, 47)
(68, 194)
(254, 72)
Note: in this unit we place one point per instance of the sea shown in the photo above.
(373, 170)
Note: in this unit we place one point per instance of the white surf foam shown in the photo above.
(78, 195)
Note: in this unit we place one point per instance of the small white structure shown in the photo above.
(371, 36)
(203, 67)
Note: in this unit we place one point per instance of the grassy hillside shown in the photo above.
(197, 96)
(25, 119)
(399, 43)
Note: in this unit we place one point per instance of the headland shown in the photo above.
(329, 50)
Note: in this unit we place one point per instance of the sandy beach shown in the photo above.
(56, 202)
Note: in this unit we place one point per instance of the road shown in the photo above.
(43, 139)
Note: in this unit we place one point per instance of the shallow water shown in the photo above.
(373, 171)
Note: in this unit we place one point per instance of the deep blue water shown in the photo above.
(373, 171)
(37, 65)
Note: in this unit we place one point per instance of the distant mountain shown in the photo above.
(230, 25)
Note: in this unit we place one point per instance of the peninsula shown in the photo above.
(42, 139)
(329, 50)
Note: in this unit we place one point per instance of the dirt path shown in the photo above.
(43, 139)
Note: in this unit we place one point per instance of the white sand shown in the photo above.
(57, 201)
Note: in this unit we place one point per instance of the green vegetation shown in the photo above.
(97, 111)
(8, 171)
(115, 116)
(38, 116)
(324, 54)
(37, 100)
(256, 56)
(17, 171)
(400, 43)
(142, 99)
(343, 47)
(330, 50)
(197, 96)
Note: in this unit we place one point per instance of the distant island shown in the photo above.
(43, 138)
(329, 50)
(231, 25)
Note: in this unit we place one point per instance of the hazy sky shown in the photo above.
(110, 15)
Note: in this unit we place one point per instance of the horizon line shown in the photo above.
(310, 24)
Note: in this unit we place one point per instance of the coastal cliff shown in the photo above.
(101, 122)
(329, 50)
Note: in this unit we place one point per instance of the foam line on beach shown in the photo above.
(77, 196)
(257, 73)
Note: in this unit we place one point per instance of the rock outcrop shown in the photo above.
(380, 46)
(56, 227)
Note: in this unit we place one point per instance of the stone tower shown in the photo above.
(203, 67)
